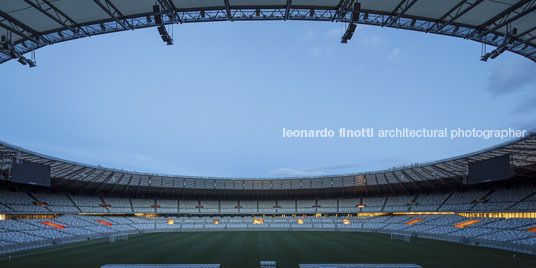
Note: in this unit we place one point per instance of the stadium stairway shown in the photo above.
(444, 201)
(522, 200)
(74, 203)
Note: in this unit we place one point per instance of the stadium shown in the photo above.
(471, 210)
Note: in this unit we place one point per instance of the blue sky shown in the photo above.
(215, 103)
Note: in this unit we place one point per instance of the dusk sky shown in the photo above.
(215, 103)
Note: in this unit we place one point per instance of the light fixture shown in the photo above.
(494, 54)
(349, 33)
(485, 57)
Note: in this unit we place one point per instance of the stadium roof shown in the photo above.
(447, 172)
(32, 24)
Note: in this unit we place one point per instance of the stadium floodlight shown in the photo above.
(509, 39)
(161, 28)
(6, 44)
(356, 9)
(485, 57)
(22, 61)
(494, 54)
(165, 35)
(31, 63)
(349, 33)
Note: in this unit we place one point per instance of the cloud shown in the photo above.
(527, 125)
(527, 105)
(367, 36)
(513, 76)
(308, 36)
(295, 172)
(316, 51)
(516, 76)
(394, 54)
(105, 157)
(314, 171)
(395, 162)
(335, 32)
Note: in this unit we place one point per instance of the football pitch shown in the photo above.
(246, 249)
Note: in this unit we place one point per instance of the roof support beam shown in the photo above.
(448, 26)
(107, 181)
(59, 12)
(525, 33)
(102, 183)
(410, 179)
(388, 184)
(436, 166)
(228, 10)
(78, 184)
(45, 12)
(400, 10)
(68, 175)
(75, 176)
(530, 7)
(170, 9)
(400, 182)
(430, 182)
(417, 183)
(342, 9)
(20, 28)
(114, 13)
(500, 16)
(48, 9)
(366, 186)
(377, 184)
(454, 13)
(67, 171)
(287, 9)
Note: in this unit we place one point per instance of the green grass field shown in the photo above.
(246, 249)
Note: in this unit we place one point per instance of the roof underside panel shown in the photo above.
(198, 4)
(82, 11)
(316, 3)
(433, 9)
(484, 11)
(133, 7)
(29, 16)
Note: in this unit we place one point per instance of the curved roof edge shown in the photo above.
(32, 24)
(445, 168)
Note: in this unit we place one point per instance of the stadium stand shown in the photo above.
(499, 214)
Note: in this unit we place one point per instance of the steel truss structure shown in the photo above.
(508, 25)
(448, 173)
